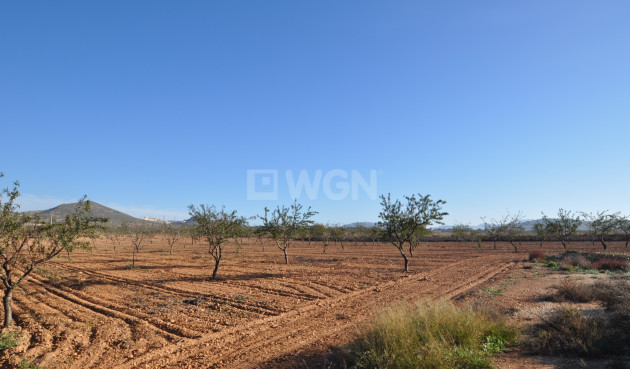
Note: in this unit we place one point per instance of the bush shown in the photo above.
(577, 292)
(603, 333)
(576, 260)
(568, 331)
(437, 336)
(614, 295)
(610, 264)
(537, 255)
(552, 264)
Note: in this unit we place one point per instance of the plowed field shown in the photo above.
(96, 311)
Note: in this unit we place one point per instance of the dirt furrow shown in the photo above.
(176, 291)
(288, 332)
(171, 332)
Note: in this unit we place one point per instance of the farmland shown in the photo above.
(97, 311)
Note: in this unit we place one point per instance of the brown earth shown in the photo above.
(95, 311)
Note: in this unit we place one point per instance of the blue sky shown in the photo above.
(149, 106)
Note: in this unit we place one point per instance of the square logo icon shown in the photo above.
(262, 184)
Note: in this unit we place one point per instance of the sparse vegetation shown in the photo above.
(8, 339)
(574, 260)
(25, 364)
(576, 292)
(431, 336)
(570, 331)
(493, 291)
(610, 264)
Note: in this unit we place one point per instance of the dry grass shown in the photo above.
(598, 333)
(439, 337)
(568, 331)
(570, 290)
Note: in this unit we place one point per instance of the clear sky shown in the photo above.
(149, 106)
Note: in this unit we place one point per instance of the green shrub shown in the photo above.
(493, 291)
(437, 336)
(8, 339)
(552, 264)
(25, 364)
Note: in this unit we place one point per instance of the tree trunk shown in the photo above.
(286, 256)
(410, 250)
(406, 262)
(133, 258)
(8, 311)
(216, 267)
(564, 244)
(513, 245)
(601, 239)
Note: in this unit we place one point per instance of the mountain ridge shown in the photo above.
(59, 213)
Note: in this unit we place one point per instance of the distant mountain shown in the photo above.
(59, 213)
(528, 226)
(359, 224)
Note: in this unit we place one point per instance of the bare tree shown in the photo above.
(543, 232)
(401, 222)
(601, 225)
(171, 234)
(216, 227)
(507, 227)
(114, 237)
(284, 223)
(493, 229)
(514, 228)
(138, 233)
(26, 243)
(322, 233)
